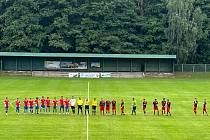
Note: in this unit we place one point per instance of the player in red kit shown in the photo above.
(6, 104)
(25, 105)
(108, 103)
(144, 106)
(122, 107)
(195, 105)
(114, 104)
(155, 104)
(36, 101)
(42, 104)
(163, 106)
(102, 104)
(55, 104)
(168, 105)
(47, 104)
(67, 105)
(61, 101)
(17, 104)
(31, 105)
(205, 107)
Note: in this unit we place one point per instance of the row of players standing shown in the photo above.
(44, 105)
(166, 106)
(65, 104)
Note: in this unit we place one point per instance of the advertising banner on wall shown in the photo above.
(74, 75)
(73, 65)
(89, 75)
(105, 75)
(52, 64)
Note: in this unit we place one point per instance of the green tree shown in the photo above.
(90, 26)
(185, 28)
(203, 49)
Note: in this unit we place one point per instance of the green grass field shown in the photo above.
(183, 124)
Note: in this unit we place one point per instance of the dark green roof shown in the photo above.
(86, 55)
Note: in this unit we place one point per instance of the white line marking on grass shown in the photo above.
(88, 114)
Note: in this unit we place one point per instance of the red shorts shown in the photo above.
(107, 108)
(204, 109)
(114, 108)
(155, 108)
(195, 109)
(163, 108)
(144, 108)
(101, 108)
(122, 108)
(168, 109)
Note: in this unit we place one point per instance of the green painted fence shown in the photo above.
(15, 63)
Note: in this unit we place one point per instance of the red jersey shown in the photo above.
(55, 102)
(102, 103)
(195, 103)
(6, 102)
(113, 103)
(144, 104)
(155, 103)
(17, 103)
(168, 104)
(42, 101)
(31, 103)
(108, 103)
(163, 103)
(36, 102)
(25, 102)
(61, 102)
(204, 105)
(48, 102)
(66, 102)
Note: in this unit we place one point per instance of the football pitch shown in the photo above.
(183, 124)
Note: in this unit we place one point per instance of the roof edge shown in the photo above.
(83, 55)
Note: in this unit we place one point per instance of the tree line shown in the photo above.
(179, 27)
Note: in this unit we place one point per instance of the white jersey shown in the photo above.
(73, 102)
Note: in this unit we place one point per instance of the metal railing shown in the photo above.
(192, 67)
